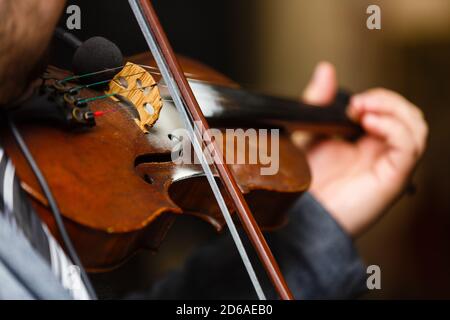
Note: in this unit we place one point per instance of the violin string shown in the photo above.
(90, 74)
(102, 82)
(100, 97)
(194, 131)
(86, 75)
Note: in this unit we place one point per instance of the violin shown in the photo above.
(110, 166)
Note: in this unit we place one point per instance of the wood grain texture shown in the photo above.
(117, 188)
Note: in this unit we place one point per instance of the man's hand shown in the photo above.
(358, 181)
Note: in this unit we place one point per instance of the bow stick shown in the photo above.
(197, 127)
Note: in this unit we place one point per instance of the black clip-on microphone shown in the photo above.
(52, 104)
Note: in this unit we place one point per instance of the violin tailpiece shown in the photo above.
(136, 85)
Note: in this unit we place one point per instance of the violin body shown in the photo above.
(118, 189)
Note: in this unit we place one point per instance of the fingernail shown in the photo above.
(372, 102)
(370, 119)
(352, 113)
(354, 108)
(313, 91)
(356, 101)
(319, 71)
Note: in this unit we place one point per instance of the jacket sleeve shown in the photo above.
(317, 258)
(24, 274)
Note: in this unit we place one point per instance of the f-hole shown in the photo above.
(148, 179)
(151, 158)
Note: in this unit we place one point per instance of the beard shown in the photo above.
(24, 45)
(17, 80)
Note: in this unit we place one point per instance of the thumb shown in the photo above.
(322, 88)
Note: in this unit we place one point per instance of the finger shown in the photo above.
(382, 101)
(322, 88)
(403, 151)
(385, 101)
(397, 162)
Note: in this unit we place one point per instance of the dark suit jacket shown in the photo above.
(317, 258)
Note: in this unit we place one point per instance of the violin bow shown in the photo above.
(198, 130)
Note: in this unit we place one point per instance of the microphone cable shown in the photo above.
(53, 206)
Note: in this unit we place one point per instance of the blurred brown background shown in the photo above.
(273, 46)
(410, 54)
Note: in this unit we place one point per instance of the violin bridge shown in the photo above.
(137, 85)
